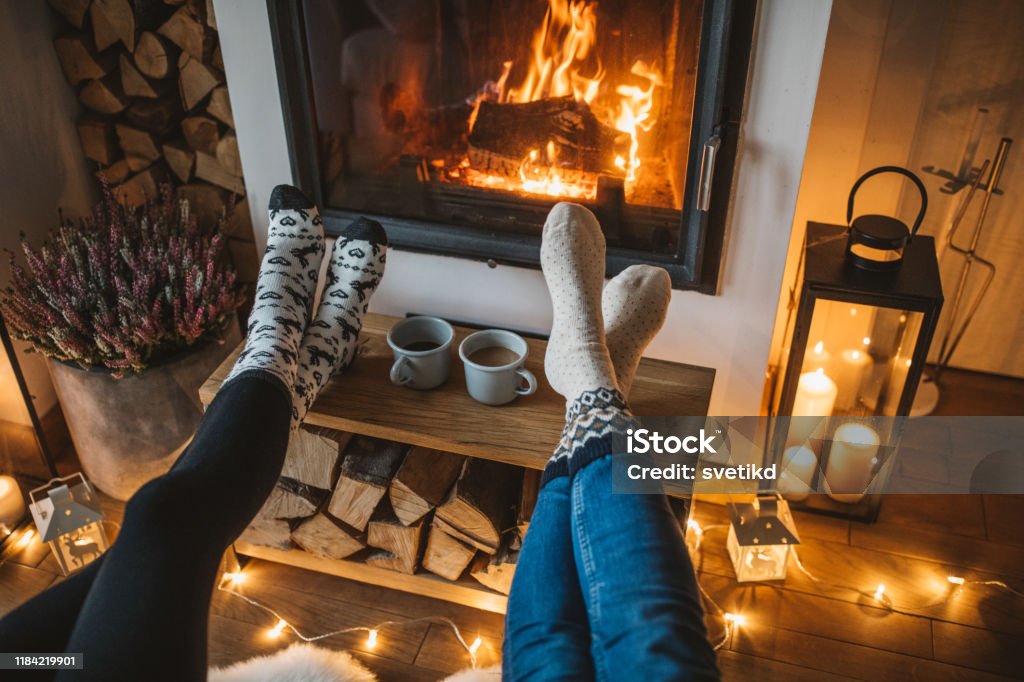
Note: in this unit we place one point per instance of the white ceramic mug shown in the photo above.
(422, 350)
(502, 379)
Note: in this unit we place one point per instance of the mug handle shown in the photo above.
(397, 377)
(531, 382)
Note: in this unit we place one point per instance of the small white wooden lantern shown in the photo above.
(68, 516)
(760, 536)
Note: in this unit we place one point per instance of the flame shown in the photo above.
(563, 62)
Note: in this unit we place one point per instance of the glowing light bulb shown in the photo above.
(867, 340)
(25, 539)
(276, 631)
(236, 578)
(736, 619)
(819, 348)
(879, 592)
(694, 526)
(955, 580)
(371, 639)
(475, 645)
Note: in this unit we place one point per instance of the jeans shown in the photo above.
(604, 589)
(140, 612)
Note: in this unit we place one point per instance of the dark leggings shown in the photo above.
(141, 611)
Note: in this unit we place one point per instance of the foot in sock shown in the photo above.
(577, 362)
(285, 287)
(356, 267)
(634, 306)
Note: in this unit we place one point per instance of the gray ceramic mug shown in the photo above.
(422, 350)
(494, 360)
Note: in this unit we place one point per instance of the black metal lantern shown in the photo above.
(877, 242)
(856, 345)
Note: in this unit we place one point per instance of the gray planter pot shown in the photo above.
(128, 431)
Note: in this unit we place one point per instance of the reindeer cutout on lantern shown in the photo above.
(69, 519)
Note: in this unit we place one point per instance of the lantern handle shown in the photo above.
(891, 169)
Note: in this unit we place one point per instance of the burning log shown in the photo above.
(560, 132)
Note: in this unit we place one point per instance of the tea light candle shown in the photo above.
(817, 359)
(12, 504)
(851, 461)
(850, 369)
(798, 465)
(815, 395)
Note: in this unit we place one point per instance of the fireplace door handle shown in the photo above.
(707, 172)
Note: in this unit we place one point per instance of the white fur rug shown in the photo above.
(308, 663)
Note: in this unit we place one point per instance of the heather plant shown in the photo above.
(123, 288)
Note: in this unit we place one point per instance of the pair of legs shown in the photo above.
(604, 587)
(140, 612)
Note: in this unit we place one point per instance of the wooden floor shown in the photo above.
(795, 631)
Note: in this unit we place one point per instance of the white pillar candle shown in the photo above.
(817, 358)
(12, 504)
(798, 466)
(851, 460)
(815, 395)
(849, 370)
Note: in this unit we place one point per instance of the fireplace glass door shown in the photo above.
(460, 123)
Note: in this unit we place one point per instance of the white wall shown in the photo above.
(730, 332)
(43, 167)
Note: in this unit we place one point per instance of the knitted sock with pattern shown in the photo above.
(329, 346)
(577, 363)
(285, 287)
(634, 305)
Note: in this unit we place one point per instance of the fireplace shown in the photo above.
(458, 124)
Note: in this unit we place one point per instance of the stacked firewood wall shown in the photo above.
(394, 506)
(155, 107)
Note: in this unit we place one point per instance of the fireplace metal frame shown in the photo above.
(726, 35)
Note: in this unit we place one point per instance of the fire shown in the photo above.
(563, 62)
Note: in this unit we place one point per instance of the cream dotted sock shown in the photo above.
(285, 287)
(577, 363)
(634, 306)
(572, 258)
(356, 267)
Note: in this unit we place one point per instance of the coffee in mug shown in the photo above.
(421, 347)
(494, 361)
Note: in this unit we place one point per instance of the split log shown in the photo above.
(217, 59)
(506, 134)
(228, 156)
(201, 133)
(287, 504)
(104, 96)
(98, 141)
(446, 556)
(423, 482)
(205, 202)
(114, 174)
(266, 532)
(496, 571)
(113, 20)
(181, 160)
(323, 537)
(219, 106)
(401, 545)
(141, 187)
(313, 456)
(134, 83)
(186, 32)
(462, 537)
(155, 56)
(209, 169)
(211, 20)
(238, 223)
(79, 62)
(527, 499)
(140, 150)
(73, 11)
(195, 81)
(366, 472)
(158, 116)
(482, 503)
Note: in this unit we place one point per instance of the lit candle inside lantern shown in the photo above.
(12, 504)
(798, 465)
(851, 461)
(815, 395)
(850, 370)
(817, 359)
